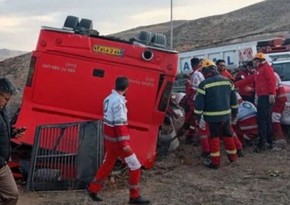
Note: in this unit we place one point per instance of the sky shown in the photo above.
(21, 20)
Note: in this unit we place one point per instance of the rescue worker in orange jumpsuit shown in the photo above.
(277, 110)
(216, 100)
(265, 87)
(195, 77)
(247, 92)
(221, 66)
(117, 144)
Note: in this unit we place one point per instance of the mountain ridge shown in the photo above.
(7, 53)
(270, 16)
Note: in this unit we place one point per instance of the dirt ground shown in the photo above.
(182, 179)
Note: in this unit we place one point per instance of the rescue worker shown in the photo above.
(265, 87)
(117, 144)
(216, 100)
(223, 71)
(247, 92)
(195, 77)
(246, 126)
(277, 110)
(221, 66)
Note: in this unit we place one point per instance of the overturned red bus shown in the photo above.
(73, 69)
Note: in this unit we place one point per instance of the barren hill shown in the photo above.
(6, 53)
(270, 16)
(16, 70)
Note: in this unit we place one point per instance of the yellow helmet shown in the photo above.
(260, 55)
(206, 63)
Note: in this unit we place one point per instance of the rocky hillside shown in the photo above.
(270, 16)
(16, 70)
(6, 53)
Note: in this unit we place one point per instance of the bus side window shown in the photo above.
(165, 97)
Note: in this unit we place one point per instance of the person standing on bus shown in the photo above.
(117, 144)
(8, 188)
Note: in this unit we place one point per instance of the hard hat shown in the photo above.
(260, 55)
(206, 63)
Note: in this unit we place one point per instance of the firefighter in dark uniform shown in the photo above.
(216, 100)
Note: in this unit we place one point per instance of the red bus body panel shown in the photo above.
(72, 74)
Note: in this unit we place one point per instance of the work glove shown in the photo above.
(272, 99)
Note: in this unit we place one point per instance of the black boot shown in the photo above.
(259, 149)
(94, 196)
(212, 166)
(240, 153)
(138, 200)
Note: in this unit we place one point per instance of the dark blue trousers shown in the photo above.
(264, 121)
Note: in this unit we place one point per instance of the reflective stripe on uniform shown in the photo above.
(201, 91)
(235, 106)
(234, 151)
(198, 111)
(249, 127)
(216, 113)
(215, 154)
(117, 139)
(210, 85)
(191, 127)
(136, 187)
(282, 95)
(113, 123)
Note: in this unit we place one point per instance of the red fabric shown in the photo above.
(277, 130)
(241, 73)
(264, 80)
(110, 159)
(230, 146)
(115, 132)
(246, 90)
(188, 88)
(237, 142)
(238, 133)
(281, 99)
(214, 144)
(248, 127)
(226, 74)
(189, 110)
(204, 138)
